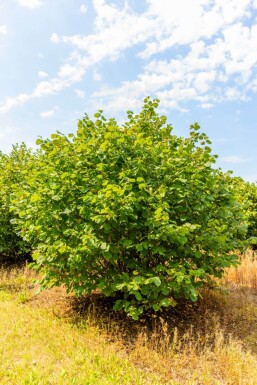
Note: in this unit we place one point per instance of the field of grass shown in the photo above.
(51, 338)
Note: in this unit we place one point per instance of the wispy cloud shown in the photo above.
(67, 76)
(42, 74)
(14, 102)
(55, 38)
(97, 76)
(217, 63)
(235, 159)
(83, 8)
(204, 74)
(30, 3)
(207, 105)
(80, 94)
(49, 113)
(7, 131)
(3, 29)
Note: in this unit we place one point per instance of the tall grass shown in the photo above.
(246, 273)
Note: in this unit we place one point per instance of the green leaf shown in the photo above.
(104, 246)
(166, 302)
(127, 243)
(137, 295)
(155, 280)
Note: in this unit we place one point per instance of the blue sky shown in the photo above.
(61, 58)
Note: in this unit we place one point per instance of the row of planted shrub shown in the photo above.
(132, 210)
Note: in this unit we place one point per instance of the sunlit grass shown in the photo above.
(38, 348)
(54, 339)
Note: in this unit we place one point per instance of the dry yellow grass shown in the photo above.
(246, 273)
(54, 339)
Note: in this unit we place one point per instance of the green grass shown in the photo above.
(37, 348)
(45, 340)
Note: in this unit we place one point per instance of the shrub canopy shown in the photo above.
(246, 195)
(12, 166)
(132, 210)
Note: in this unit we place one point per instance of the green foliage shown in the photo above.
(246, 194)
(12, 168)
(132, 210)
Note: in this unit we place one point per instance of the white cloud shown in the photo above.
(49, 87)
(217, 62)
(83, 8)
(14, 102)
(3, 29)
(96, 76)
(49, 113)
(116, 30)
(55, 38)
(207, 105)
(202, 19)
(42, 74)
(72, 72)
(67, 76)
(234, 94)
(235, 159)
(30, 3)
(210, 73)
(202, 74)
(80, 94)
(7, 131)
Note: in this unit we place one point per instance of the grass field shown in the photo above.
(51, 338)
